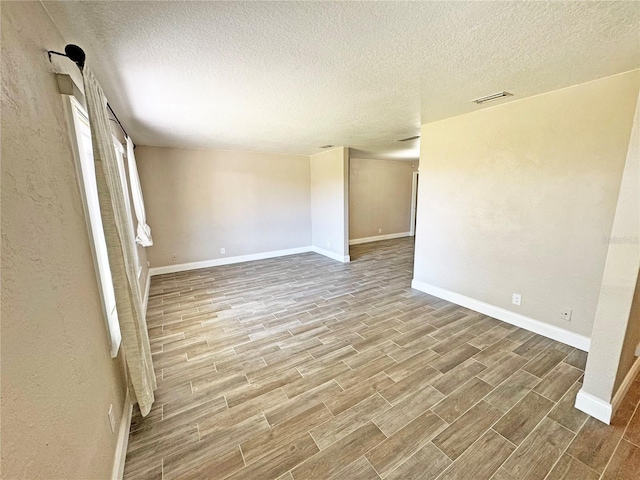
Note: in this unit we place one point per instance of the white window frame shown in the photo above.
(83, 153)
(121, 153)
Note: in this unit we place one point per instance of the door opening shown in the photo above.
(414, 203)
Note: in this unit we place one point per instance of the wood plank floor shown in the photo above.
(304, 368)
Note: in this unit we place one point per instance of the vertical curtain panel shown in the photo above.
(120, 244)
(143, 232)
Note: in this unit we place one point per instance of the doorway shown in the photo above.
(414, 204)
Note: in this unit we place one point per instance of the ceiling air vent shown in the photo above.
(415, 137)
(492, 97)
(327, 146)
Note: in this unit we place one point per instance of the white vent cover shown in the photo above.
(415, 137)
(492, 97)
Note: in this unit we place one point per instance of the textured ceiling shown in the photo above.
(288, 77)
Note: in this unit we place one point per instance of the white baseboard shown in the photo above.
(377, 238)
(145, 300)
(551, 331)
(335, 256)
(593, 406)
(598, 408)
(123, 440)
(181, 267)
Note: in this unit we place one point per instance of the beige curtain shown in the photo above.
(120, 245)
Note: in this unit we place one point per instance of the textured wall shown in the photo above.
(199, 201)
(379, 197)
(330, 200)
(520, 197)
(58, 379)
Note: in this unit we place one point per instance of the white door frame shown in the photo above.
(414, 206)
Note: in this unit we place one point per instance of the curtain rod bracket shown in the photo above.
(77, 56)
(73, 53)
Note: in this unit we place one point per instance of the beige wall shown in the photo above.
(58, 379)
(615, 329)
(379, 197)
(199, 201)
(519, 198)
(330, 201)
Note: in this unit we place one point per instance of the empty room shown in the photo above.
(320, 240)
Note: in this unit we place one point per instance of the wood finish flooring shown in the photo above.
(301, 367)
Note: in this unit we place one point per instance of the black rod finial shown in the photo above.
(75, 54)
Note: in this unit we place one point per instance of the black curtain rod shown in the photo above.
(77, 56)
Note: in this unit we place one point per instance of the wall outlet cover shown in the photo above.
(566, 314)
(516, 299)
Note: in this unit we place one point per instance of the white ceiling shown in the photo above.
(288, 77)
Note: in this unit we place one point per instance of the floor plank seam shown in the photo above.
(524, 440)
(444, 453)
(580, 461)
(636, 409)
(564, 452)
(498, 433)
(374, 468)
(244, 461)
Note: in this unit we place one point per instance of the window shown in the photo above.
(120, 154)
(81, 133)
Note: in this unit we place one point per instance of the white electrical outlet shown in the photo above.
(223, 250)
(379, 230)
(566, 314)
(516, 299)
(328, 244)
(112, 419)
